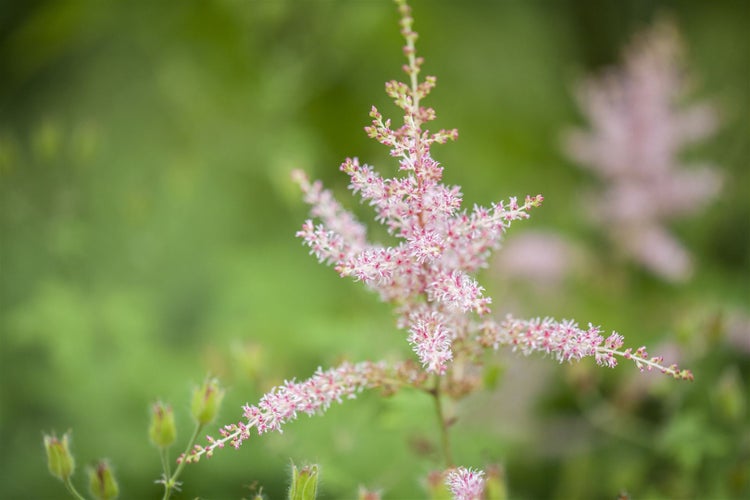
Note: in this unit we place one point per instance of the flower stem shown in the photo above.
(443, 424)
(171, 483)
(72, 489)
(164, 455)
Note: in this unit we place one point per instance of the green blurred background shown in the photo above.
(147, 228)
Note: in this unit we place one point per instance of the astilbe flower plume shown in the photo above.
(638, 128)
(429, 275)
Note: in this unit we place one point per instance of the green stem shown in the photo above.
(444, 437)
(171, 483)
(165, 466)
(72, 489)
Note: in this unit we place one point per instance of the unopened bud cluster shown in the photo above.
(61, 464)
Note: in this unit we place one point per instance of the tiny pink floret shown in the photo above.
(466, 484)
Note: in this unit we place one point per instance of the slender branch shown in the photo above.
(444, 437)
(171, 483)
(650, 363)
(72, 489)
(164, 456)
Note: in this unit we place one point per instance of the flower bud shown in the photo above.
(59, 459)
(206, 401)
(102, 484)
(162, 431)
(304, 483)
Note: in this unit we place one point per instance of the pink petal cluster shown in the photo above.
(634, 143)
(431, 339)
(283, 403)
(466, 484)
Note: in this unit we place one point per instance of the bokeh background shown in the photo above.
(147, 226)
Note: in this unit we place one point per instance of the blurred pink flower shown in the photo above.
(637, 132)
(541, 258)
(466, 484)
(738, 331)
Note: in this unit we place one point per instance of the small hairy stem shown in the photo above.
(442, 423)
(643, 362)
(166, 467)
(170, 482)
(72, 489)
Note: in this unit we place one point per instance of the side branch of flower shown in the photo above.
(313, 396)
(565, 341)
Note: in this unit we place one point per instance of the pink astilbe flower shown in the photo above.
(429, 273)
(283, 403)
(466, 484)
(637, 133)
(428, 276)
